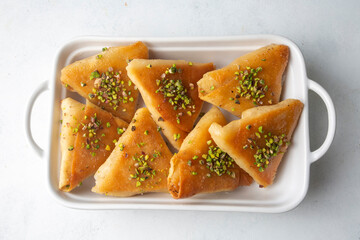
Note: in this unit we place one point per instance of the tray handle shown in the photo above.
(40, 89)
(317, 154)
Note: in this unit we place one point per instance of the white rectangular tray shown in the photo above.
(292, 180)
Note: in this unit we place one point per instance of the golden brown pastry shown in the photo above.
(102, 79)
(258, 141)
(251, 80)
(200, 166)
(88, 136)
(169, 90)
(72, 113)
(139, 163)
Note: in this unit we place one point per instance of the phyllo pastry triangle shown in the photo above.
(170, 92)
(259, 140)
(252, 80)
(201, 166)
(102, 79)
(88, 136)
(139, 163)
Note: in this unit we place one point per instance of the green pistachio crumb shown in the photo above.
(176, 136)
(121, 146)
(260, 129)
(94, 74)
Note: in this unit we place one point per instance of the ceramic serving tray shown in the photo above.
(291, 183)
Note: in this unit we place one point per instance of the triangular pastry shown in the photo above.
(139, 163)
(258, 141)
(102, 79)
(169, 91)
(200, 166)
(251, 80)
(89, 134)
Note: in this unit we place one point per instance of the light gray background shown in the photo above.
(328, 34)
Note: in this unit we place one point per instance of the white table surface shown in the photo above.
(327, 33)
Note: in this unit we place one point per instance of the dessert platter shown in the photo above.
(186, 124)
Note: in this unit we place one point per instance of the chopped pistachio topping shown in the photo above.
(140, 144)
(248, 127)
(109, 88)
(148, 66)
(121, 146)
(104, 49)
(250, 86)
(190, 63)
(212, 88)
(146, 132)
(71, 148)
(120, 130)
(217, 161)
(91, 129)
(260, 129)
(175, 92)
(107, 148)
(264, 154)
(193, 173)
(158, 129)
(143, 171)
(83, 84)
(176, 136)
(94, 74)
(99, 56)
(108, 124)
